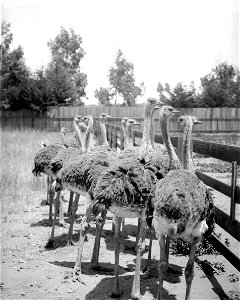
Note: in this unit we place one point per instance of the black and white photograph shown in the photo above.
(120, 149)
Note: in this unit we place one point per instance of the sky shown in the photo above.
(167, 40)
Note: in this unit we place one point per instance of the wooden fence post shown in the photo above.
(233, 190)
(121, 140)
(115, 137)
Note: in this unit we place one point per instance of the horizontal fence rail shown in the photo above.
(221, 120)
(222, 152)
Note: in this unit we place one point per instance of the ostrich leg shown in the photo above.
(135, 294)
(61, 213)
(162, 267)
(56, 207)
(116, 292)
(70, 202)
(189, 271)
(51, 199)
(74, 208)
(84, 228)
(100, 221)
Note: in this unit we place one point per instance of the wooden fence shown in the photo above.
(225, 153)
(221, 120)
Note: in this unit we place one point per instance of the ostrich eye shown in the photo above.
(181, 119)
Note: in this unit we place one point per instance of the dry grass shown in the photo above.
(18, 186)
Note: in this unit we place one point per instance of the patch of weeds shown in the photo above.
(227, 242)
(179, 246)
(212, 268)
(233, 278)
(234, 295)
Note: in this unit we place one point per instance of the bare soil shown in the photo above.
(28, 270)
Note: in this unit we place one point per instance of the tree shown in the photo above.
(103, 95)
(63, 73)
(122, 80)
(14, 73)
(221, 87)
(179, 96)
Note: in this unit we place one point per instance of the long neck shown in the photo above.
(146, 139)
(88, 133)
(174, 162)
(104, 134)
(186, 149)
(152, 129)
(78, 136)
(63, 137)
(128, 138)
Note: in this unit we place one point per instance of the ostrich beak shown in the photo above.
(175, 111)
(197, 122)
(137, 123)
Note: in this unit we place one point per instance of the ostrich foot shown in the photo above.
(78, 276)
(63, 224)
(116, 293)
(50, 244)
(71, 243)
(136, 296)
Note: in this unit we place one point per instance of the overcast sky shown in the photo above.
(166, 40)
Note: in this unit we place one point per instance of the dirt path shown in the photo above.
(30, 271)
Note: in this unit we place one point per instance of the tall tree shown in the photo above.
(221, 87)
(122, 79)
(178, 96)
(14, 73)
(64, 75)
(103, 95)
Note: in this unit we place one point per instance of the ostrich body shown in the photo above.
(62, 158)
(79, 175)
(183, 208)
(125, 190)
(42, 165)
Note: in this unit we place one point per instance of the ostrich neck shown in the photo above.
(186, 152)
(152, 129)
(63, 137)
(78, 136)
(88, 133)
(104, 134)
(174, 162)
(146, 139)
(128, 140)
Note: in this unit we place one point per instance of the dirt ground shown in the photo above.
(30, 271)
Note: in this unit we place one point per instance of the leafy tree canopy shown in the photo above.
(122, 80)
(103, 95)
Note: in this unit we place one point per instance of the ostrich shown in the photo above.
(82, 177)
(125, 190)
(127, 125)
(160, 160)
(71, 158)
(182, 208)
(41, 164)
(59, 161)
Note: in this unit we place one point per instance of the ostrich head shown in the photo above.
(184, 121)
(104, 117)
(64, 130)
(167, 111)
(124, 121)
(77, 119)
(131, 123)
(153, 103)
